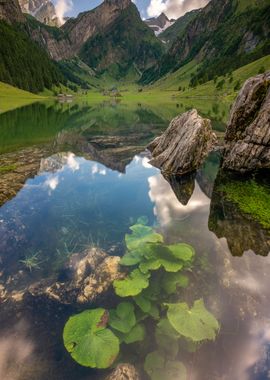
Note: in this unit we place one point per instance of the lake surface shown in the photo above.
(78, 175)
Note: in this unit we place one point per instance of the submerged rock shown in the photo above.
(184, 145)
(90, 275)
(124, 372)
(248, 133)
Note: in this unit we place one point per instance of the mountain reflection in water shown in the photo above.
(82, 188)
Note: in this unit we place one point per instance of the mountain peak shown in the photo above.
(159, 24)
(119, 3)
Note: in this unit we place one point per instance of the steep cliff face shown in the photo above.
(10, 11)
(51, 39)
(90, 23)
(126, 43)
(221, 37)
(43, 10)
(176, 29)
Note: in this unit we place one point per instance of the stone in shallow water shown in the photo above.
(184, 146)
(91, 275)
(124, 372)
(248, 133)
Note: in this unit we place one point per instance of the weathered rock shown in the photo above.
(184, 145)
(248, 133)
(124, 372)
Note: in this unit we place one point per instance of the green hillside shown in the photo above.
(12, 97)
(22, 63)
(224, 86)
(221, 38)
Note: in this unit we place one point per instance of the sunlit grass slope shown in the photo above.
(12, 97)
(227, 87)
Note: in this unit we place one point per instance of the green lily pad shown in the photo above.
(147, 305)
(159, 255)
(171, 281)
(143, 302)
(123, 318)
(88, 340)
(141, 234)
(197, 323)
(182, 251)
(132, 285)
(159, 369)
(137, 334)
(167, 338)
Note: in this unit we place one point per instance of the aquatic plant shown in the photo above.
(32, 261)
(88, 340)
(156, 276)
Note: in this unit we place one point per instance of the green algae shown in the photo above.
(251, 198)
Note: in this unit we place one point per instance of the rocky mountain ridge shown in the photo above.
(220, 37)
(43, 10)
(159, 24)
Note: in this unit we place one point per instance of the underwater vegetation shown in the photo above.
(32, 261)
(147, 295)
(251, 198)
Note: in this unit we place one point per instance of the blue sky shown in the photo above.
(147, 8)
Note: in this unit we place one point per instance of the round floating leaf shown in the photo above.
(171, 281)
(140, 235)
(137, 334)
(132, 258)
(159, 255)
(158, 369)
(123, 318)
(167, 337)
(143, 302)
(132, 285)
(182, 251)
(146, 305)
(88, 340)
(196, 323)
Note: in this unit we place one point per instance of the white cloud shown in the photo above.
(174, 8)
(52, 182)
(62, 7)
(72, 163)
(156, 7)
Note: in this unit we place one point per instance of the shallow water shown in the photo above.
(79, 176)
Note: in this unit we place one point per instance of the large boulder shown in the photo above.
(248, 133)
(184, 145)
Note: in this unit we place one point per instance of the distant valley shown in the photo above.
(112, 43)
